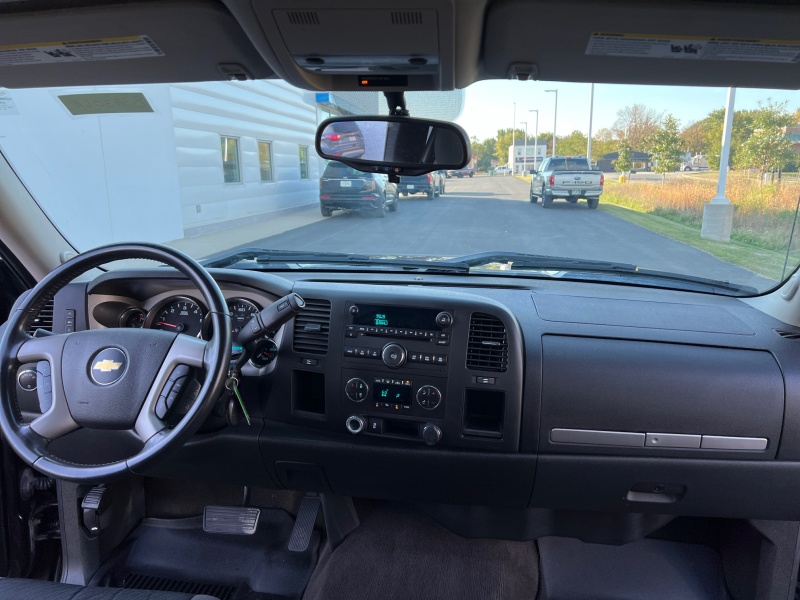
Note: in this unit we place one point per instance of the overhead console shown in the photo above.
(437, 370)
(356, 45)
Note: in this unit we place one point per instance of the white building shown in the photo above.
(523, 163)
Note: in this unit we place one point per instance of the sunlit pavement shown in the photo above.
(493, 214)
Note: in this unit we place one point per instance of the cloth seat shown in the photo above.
(33, 589)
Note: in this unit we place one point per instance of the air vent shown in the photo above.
(303, 17)
(44, 320)
(311, 327)
(789, 335)
(406, 17)
(487, 349)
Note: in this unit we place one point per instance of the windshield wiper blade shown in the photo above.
(263, 257)
(542, 261)
(554, 263)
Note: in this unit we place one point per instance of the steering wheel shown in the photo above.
(111, 378)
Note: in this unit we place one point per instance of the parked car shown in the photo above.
(567, 177)
(460, 173)
(431, 184)
(343, 139)
(343, 188)
(502, 170)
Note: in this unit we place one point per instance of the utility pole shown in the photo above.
(591, 111)
(535, 139)
(555, 119)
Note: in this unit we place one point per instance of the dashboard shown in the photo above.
(526, 394)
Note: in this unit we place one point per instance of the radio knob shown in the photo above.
(354, 310)
(355, 424)
(444, 320)
(356, 389)
(394, 355)
(431, 434)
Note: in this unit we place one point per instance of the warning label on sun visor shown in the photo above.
(139, 46)
(693, 48)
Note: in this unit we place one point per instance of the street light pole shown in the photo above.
(591, 111)
(514, 141)
(525, 148)
(535, 139)
(555, 119)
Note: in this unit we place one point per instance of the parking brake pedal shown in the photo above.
(238, 520)
(304, 524)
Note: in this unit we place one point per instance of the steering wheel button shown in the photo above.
(161, 407)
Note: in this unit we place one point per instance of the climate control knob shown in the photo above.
(429, 397)
(355, 424)
(393, 355)
(356, 389)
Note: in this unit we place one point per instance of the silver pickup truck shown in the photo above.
(567, 177)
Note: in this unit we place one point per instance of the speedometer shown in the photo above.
(241, 311)
(181, 315)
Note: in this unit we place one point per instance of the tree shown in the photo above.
(503, 143)
(603, 143)
(768, 148)
(484, 152)
(694, 137)
(666, 146)
(624, 163)
(573, 144)
(636, 123)
(712, 127)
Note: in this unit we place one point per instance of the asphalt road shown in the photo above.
(493, 214)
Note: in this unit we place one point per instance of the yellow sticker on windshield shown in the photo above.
(693, 48)
(137, 46)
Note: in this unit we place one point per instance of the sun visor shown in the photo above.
(149, 42)
(671, 43)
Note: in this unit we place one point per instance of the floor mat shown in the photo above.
(177, 555)
(401, 556)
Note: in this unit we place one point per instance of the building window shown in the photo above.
(265, 160)
(230, 159)
(303, 162)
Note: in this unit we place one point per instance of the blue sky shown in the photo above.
(489, 104)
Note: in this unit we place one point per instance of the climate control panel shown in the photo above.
(387, 392)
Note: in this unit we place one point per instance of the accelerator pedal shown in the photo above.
(237, 520)
(304, 524)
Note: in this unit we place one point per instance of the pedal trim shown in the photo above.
(304, 524)
(235, 520)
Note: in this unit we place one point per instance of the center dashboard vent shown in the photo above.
(312, 326)
(487, 349)
(44, 320)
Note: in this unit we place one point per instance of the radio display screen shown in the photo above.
(394, 394)
(396, 316)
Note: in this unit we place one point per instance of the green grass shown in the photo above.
(764, 262)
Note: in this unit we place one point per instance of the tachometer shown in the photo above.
(182, 315)
(241, 312)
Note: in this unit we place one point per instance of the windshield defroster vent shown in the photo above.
(487, 349)
(311, 327)
(44, 320)
(789, 335)
(407, 17)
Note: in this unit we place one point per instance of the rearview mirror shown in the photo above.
(393, 145)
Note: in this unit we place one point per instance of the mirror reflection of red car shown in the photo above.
(343, 139)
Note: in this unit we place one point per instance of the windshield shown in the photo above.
(210, 168)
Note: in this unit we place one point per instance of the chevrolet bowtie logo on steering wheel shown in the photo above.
(107, 365)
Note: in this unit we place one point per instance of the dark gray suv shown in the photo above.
(343, 188)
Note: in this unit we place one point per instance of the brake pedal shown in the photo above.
(237, 520)
(304, 524)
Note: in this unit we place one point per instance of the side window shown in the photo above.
(230, 160)
(265, 160)
(303, 162)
